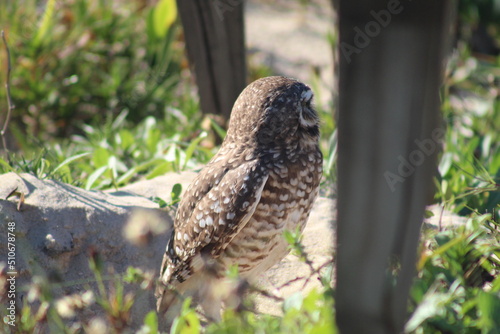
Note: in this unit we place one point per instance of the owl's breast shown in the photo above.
(285, 204)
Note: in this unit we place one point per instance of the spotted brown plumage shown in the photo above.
(263, 180)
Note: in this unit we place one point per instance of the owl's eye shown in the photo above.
(306, 96)
(308, 117)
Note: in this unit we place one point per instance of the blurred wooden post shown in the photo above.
(214, 34)
(391, 62)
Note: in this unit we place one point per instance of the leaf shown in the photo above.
(312, 300)
(41, 166)
(45, 23)
(192, 146)
(442, 249)
(127, 176)
(113, 166)
(94, 176)
(187, 322)
(100, 157)
(153, 138)
(145, 166)
(332, 152)
(126, 139)
(151, 321)
(289, 237)
(173, 155)
(218, 129)
(164, 16)
(160, 169)
(176, 192)
(495, 285)
(431, 306)
(69, 160)
(161, 203)
(489, 311)
(7, 167)
(150, 27)
(445, 163)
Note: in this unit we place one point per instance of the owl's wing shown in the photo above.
(216, 206)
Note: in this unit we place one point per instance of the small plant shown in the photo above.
(458, 285)
(174, 195)
(77, 61)
(469, 170)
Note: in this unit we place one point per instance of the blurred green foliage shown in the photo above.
(458, 285)
(469, 170)
(77, 62)
(113, 155)
(474, 11)
(105, 77)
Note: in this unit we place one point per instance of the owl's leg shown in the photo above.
(212, 291)
(212, 308)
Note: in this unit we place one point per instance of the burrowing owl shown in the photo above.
(263, 180)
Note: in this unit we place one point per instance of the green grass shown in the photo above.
(457, 289)
(82, 62)
(101, 98)
(470, 165)
(114, 154)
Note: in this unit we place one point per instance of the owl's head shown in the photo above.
(274, 111)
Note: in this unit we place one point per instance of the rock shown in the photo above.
(442, 218)
(58, 226)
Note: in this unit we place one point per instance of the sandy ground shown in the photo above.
(291, 39)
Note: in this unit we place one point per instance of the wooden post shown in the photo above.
(214, 33)
(391, 63)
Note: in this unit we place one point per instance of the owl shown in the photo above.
(263, 181)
